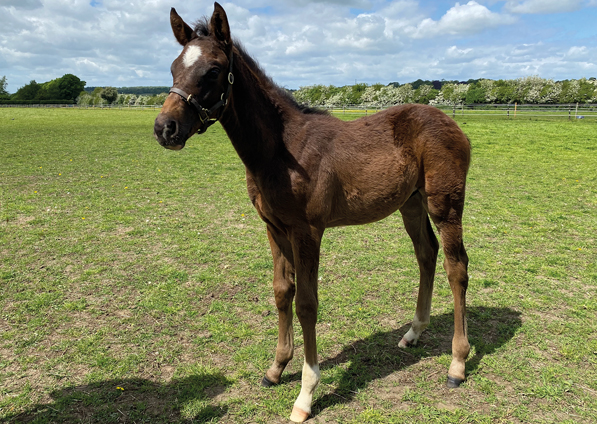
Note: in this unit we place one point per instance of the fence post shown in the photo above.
(508, 110)
(454, 110)
(569, 112)
(515, 106)
(576, 112)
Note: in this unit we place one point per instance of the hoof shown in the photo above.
(266, 383)
(454, 383)
(404, 343)
(298, 415)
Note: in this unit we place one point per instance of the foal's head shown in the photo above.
(203, 79)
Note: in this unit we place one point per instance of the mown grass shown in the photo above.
(136, 284)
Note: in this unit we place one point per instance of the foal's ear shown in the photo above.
(181, 30)
(219, 25)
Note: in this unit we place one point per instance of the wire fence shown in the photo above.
(570, 111)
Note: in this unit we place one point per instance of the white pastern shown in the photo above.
(191, 56)
(413, 334)
(309, 383)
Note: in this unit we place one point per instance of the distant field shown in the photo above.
(135, 284)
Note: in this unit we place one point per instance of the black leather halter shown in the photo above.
(204, 114)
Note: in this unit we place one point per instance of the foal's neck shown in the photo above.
(256, 117)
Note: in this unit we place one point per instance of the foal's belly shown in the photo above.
(372, 192)
(356, 207)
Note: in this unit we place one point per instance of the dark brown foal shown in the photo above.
(307, 171)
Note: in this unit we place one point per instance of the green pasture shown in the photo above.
(135, 284)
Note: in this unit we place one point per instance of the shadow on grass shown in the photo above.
(141, 401)
(378, 356)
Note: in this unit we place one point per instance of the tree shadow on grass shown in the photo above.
(133, 400)
(378, 356)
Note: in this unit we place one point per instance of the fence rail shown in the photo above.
(570, 111)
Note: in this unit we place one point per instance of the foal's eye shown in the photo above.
(212, 74)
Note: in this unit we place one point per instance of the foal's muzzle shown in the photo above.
(167, 132)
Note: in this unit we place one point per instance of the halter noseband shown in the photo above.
(204, 114)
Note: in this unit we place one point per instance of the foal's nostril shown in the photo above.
(170, 130)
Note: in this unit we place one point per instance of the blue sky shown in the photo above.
(304, 42)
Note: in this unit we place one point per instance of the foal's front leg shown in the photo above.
(305, 246)
(284, 290)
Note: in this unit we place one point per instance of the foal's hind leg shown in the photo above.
(446, 212)
(418, 227)
(284, 290)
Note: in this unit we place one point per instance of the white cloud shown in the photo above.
(115, 42)
(22, 4)
(581, 54)
(95, 43)
(542, 6)
(454, 54)
(461, 20)
(299, 47)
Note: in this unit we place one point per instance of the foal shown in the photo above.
(307, 171)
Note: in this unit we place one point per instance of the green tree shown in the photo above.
(3, 92)
(49, 91)
(586, 90)
(28, 91)
(66, 88)
(454, 93)
(356, 92)
(109, 94)
(70, 86)
(506, 91)
(418, 83)
(475, 94)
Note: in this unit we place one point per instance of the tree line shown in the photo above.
(137, 91)
(65, 89)
(531, 89)
(69, 89)
(100, 96)
(526, 90)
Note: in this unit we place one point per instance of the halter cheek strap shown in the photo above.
(204, 114)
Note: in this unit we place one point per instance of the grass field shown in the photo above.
(135, 284)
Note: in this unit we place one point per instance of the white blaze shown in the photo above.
(191, 55)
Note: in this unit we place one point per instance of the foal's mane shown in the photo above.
(274, 90)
